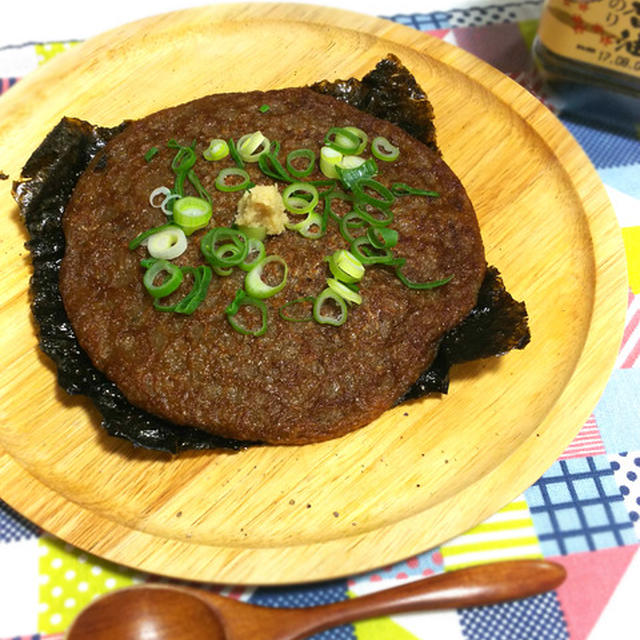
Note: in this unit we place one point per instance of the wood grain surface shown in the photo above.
(423, 472)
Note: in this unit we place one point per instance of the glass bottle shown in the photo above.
(588, 51)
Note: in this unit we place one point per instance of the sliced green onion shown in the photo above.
(401, 189)
(348, 140)
(182, 165)
(335, 194)
(167, 244)
(382, 237)
(350, 175)
(345, 266)
(151, 154)
(351, 220)
(364, 251)
(224, 248)
(364, 138)
(382, 149)
(139, 239)
(300, 197)
(360, 188)
(384, 218)
(312, 226)
(202, 278)
(235, 156)
(158, 191)
(192, 300)
(168, 284)
(217, 150)
(231, 172)
(252, 145)
(242, 299)
(264, 108)
(298, 301)
(344, 291)
(329, 159)
(256, 287)
(432, 284)
(310, 157)
(342, 140)
(351, 162)
(323, 315)
(167, 199)
(191, 213)
(255, 253)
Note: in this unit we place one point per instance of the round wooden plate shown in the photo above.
(423, 472)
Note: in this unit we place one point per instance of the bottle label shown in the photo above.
(605, 33)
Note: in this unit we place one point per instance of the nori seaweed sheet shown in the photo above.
(43, 192)
(389, 92)
(497, 324)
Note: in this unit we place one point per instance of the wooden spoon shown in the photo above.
(160, 612)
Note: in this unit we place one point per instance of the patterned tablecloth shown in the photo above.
(584, 512)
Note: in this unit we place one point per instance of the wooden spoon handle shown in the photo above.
(474, 586)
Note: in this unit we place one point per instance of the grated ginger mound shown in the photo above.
(262, 206)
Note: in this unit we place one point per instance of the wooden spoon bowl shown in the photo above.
(159, 612)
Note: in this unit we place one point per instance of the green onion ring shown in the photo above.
(345, 266)
(256, 246)
(233, 253)
(308, 154)
(252, 145)
(312, 219)
(343, 140)
(139, 239)
(382, 149)
(284, 316)
(235, 156)
(364, 138)
(387, 214)
(256, 287)
(167, 244)
(168, 284)
(297, 203)
(329, 159)
(386, 197)
(217, 150)
(370, 256)
(382, 237)
(400, 189)
(330, 196)
(341, 289)
(349, 176)
(271, 166)
(323, 318)
(228, 172)
(158, 191)
(181, 164)
(191, 213)
(192, 300)
(351, 220)
(202, 278)
(432, 284)
(240, 300)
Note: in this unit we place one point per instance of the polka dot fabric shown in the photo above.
(538, 618)
(626, 470)
(68, 581)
